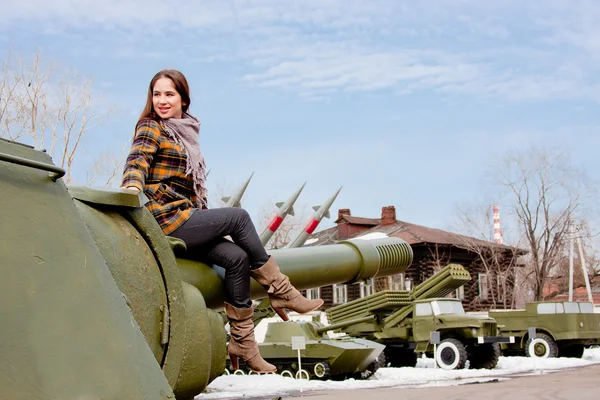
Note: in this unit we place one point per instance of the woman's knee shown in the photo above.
(240, 214)
(238, 260)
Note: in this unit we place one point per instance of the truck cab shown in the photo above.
(463, 337)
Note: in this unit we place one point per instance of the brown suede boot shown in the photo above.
(282, 293)
(241, 340)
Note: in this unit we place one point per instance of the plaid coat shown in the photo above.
(156, 165)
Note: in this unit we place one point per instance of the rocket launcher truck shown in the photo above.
(404, 320)
(95, 304)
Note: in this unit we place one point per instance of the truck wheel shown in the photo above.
(451, 354)
(484, 356)
(543, 346)
(573, 351)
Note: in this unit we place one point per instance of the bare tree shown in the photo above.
(107, 167)
(546, 194)
(49, 105)
(560, 274)
(11, 112)
(438, 258)
(499, 263)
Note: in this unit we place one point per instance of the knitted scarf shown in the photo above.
(186, 131)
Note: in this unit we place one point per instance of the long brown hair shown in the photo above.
(181, 85)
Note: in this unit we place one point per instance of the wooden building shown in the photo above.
(491, 265)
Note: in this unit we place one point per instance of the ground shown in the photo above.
(522, 378)
(580, 383)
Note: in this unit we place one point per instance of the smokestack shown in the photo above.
(388, 215)
(343, 211)
(497, 231)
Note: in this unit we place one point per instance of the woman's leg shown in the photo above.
(235, 261)
(205, 226)
(238, 307)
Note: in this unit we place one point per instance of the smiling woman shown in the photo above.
(167, 102)
(165, 162)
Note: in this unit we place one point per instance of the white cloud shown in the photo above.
(509, 50)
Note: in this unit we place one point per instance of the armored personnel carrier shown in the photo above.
(562, 329)
(324, 357)
(404, 321)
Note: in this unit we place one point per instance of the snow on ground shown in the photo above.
(235, 386)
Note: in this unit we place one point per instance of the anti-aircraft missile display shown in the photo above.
(234, 201)
(313, 222)
(283, 209)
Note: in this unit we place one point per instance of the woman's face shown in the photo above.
(166, 100)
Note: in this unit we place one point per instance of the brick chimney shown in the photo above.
(343, 211)
(342, 226)
(388, 215)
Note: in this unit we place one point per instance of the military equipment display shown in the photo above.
(283, 210)
(324, 357)
(562, 329)
(321, 212)
(234, 201)
(403, 322)
(94, 303)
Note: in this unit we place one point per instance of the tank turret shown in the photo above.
(95, 304)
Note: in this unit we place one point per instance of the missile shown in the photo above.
(283, 209)
(234, 201)
(313, 222)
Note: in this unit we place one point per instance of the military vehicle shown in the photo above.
(323, 358)
(404, 321)
(94, 303)
(562, 329)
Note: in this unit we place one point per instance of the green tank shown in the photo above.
(95, 304)
(323, 357)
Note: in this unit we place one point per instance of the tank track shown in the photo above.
(316, 369)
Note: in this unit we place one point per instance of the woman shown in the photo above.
(165, 163)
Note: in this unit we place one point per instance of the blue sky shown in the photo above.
(403, 104)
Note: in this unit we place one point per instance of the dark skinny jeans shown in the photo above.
(203, 234)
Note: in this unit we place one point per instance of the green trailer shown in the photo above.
(562, 329)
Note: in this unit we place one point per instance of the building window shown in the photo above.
(501, 286)
(312, 294)
(399, 282)
(367, 288)
(483, 286)
(460, 293)
(340, 294)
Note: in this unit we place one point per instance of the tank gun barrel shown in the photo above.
(309, 267)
